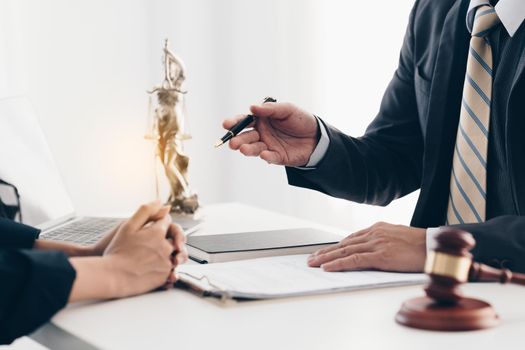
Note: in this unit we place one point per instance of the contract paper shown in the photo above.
(284, 276)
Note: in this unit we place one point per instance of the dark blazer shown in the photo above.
(34, 285)
(409, 145)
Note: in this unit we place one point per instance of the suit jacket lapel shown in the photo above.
(520, 72)
(515, 123)
(443, 117)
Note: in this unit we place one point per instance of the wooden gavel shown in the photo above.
(448, 266)
(451, 265)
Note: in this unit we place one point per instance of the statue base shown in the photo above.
(184, 205)
(190, 222)
(467, 315)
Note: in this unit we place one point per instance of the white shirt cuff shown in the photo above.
(431, 238)
(320, 150)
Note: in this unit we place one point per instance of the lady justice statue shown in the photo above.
(168, 130)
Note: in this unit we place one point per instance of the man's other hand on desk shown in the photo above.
(382, 246)
(282, 134)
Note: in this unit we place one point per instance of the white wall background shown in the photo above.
(86, 67)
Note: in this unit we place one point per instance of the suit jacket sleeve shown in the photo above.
(34, 285)
(500, 242)
(386, 162)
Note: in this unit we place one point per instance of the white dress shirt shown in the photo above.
(511, 14)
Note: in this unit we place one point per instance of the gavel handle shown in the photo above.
(483, 273)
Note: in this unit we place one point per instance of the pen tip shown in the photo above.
(218, 144)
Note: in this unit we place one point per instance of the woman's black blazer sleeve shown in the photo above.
(34, 285)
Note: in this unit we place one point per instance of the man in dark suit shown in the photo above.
(450, 123)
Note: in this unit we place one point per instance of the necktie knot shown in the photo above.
(485, 19)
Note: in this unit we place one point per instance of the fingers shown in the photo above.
(248, 143)
(172, 278)
(353, 238)
(161, 226)
(180, 257)
(356, 234)
(114, 229)
(273, 110)
(99, 247)
(328, 249)
(342, 252)
(356, 244)
(179, 243)
(350, 240)
(268, 110)
(254, 149)
(177, 235)
(167, 250)
(174, 248)
(271, 157)
(354, 262)
(244, 138)
(230, 122)
(142, 216)
(161, 213)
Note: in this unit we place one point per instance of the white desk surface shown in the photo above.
(177, 319)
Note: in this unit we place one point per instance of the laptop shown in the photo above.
(27, 163)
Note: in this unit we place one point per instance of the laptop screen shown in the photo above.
(27, 163)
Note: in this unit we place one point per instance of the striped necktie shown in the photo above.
(467, 199)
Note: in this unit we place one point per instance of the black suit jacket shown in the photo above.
(410, 143)
(33, 284)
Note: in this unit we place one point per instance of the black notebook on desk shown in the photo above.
(250, 245)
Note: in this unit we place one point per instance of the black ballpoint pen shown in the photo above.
(240, 126)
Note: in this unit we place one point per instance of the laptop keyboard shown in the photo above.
(84, 231)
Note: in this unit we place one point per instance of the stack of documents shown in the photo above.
(284, 276)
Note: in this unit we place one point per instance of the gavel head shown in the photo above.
(448, 265)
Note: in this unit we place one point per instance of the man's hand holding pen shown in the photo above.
(281, 133)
